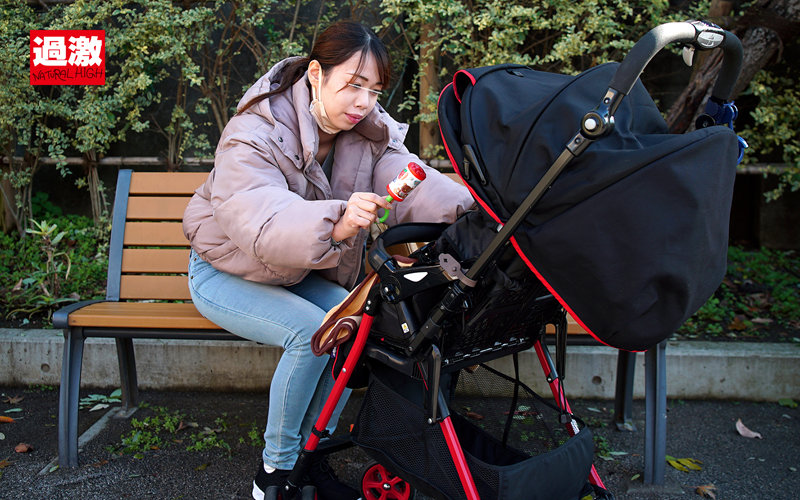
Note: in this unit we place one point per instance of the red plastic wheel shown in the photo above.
(378, 483)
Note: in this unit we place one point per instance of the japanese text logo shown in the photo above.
(68, 57)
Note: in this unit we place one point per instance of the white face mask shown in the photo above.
(317, 110)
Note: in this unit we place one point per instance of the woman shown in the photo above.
(278, 229)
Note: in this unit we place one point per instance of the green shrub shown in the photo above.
(64, 259)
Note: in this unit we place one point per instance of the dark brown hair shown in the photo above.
(334, 46)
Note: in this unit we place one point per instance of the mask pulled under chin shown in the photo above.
(317, 110)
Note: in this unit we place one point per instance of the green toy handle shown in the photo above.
(386, 212)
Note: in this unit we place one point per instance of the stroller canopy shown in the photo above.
(632, 237)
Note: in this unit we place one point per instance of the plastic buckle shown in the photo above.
(725, 113)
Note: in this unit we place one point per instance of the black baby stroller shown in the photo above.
(621, 224)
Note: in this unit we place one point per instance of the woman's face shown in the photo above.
(348, 93)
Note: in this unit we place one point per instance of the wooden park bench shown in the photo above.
(148, 297)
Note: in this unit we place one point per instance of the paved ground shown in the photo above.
(738, 467)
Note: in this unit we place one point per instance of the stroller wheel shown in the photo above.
(377, 483)
(308, 493)
(272, 493)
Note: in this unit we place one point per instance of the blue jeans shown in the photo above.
(280, 316)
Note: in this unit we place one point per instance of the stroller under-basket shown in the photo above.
(462, 311)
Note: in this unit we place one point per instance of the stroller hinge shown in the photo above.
(452, 267)
(600, 121)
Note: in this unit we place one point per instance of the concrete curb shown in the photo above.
(695, 369)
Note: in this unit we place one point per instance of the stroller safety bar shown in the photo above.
(405, 233)
(698, 34)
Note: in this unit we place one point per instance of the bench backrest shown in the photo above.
(148, 254)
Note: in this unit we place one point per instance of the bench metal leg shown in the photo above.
(623, 395)
(656, 414)
(68, 397)
(127, 374)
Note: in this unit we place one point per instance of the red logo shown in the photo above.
(68, 57)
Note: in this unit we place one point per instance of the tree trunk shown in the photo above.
(763, 30)
(9, 218)
(96, 195)
(428, 82)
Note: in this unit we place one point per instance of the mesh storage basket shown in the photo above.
(515, 447)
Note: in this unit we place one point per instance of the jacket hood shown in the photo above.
(290, 108)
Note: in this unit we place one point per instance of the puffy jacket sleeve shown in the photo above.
(254, 205)
(437, 199)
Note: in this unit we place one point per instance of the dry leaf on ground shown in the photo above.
(23, 448)
(706, 491)
(13, 400)
(744, 431)
(7, 420)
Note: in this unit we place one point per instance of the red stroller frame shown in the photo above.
(424, 356)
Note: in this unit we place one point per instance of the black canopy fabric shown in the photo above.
(632, 237)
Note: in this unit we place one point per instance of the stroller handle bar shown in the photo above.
(699, 35)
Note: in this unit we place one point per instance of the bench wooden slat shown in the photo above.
(157, 207)
(166, 182)
(155, 260)
(141, 315)
(154, 287)
(573, 328)
(166, 234)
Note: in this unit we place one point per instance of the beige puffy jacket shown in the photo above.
(267, 210)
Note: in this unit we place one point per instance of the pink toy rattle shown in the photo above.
(403, 184)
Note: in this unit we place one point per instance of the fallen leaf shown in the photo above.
(13, 410)
(18, 286)
(98, 406)
(23, 448)
(707, 490)
(744, 431)
(5, 463)
(2, 436)
(202, 467)
(7, 420)
(677, 465)
(13, 400)
(788, 402)
(474, 416)
(684, 464)
(763, 321)
(100, 463)
(690, 463)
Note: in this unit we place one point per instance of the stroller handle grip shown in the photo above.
(698, 34)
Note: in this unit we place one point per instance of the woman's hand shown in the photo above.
(361, 211)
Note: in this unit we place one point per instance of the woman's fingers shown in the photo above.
(361, 211)
(370, 201)
(363, 208)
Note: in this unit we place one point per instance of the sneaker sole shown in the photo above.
(257, 493)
